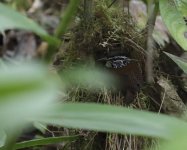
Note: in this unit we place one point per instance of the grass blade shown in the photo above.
(45, 141)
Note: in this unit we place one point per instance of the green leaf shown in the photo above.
(67, 17)
(26, 91)
(174, 21)
(145, 1)
(114, 119)
(182, 6)
(41, 127)
(179, 142)
(45, 141)
(2, 138)
(88, 76)
(179, 61)
(11, 19)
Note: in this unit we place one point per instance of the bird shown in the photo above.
(128, 72)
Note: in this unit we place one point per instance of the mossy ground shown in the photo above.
(110, 31)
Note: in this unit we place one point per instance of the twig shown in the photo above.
(163, 98)
(112, 3)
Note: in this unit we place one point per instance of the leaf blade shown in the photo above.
(174, 21)
(113, 119)
(45, 141)
(11, 19)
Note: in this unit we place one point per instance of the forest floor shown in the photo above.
(110, 32)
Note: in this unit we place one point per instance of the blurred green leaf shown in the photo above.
(145, 1)
(26, 91)
(174, 21)
(178, 142)
(67, 17)
(45, 141)
(20, 4)
(114, 119)
(88, 76)
(2, 138)
(179, 61)
(41, 127)
(182, 6)
(11, 19)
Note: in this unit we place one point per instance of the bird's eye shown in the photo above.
(138, 85)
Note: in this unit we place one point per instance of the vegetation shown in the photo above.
(63, 88)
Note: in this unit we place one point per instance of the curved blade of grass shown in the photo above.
(45, 141)
(114, 119)
(71, 10)
(11, 19)
(179, 61)
(67, 17)
(174, 21)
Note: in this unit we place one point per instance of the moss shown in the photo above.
(110, 30)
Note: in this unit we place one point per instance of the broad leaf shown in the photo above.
(114, 119)
(174, 21)
(182, 6)
(89, 77)
(179, 61)
(26, 91)
(179, 142)
(2, 138)
(11, 19)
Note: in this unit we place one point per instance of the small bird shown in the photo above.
(129, 73)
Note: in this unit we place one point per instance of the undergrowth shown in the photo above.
(110, 31)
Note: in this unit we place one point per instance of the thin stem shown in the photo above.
(69, 13)
(152, 13)
(88, 8)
